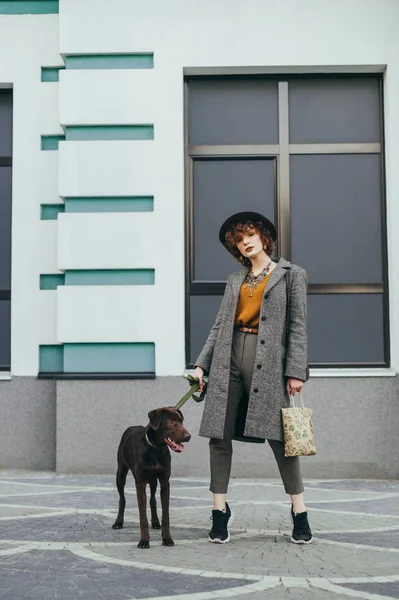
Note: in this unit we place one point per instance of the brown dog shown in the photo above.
(145, 451)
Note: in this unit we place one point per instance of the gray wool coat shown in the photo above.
(280, 353)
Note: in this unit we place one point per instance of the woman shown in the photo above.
(256, 356)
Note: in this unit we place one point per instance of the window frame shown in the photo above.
(281, 153)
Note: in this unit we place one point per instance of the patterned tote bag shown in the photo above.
(298, 430)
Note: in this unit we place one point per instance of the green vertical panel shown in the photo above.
(51, 74)
(109, 132)
(50, 212)
(109, 358)
(110, 277)
(108, 204)
(28, 7)
(51, 359)
(110, 61)
(50, 142)
(51, 281)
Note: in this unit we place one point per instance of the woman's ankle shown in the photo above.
(219, 501)
(298, 504)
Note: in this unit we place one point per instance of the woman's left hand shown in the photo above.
(294, 386)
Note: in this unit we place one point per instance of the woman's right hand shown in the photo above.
(199, 374)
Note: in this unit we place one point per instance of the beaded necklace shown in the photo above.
(252, 281)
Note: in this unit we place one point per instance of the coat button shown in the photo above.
(258, 366)
(256, 390)
(263, 318)
(266, 296)
(262, 342)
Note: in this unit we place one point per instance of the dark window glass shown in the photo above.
(336, 217)
(233, 112)
(5, 341)
(5, 228)
(334, 111)
(345, 328)
(221, 188)
(203, 311)
(5, 122)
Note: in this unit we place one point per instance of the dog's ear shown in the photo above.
(155, 417)
(181, 414)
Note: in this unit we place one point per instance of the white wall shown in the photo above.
(213, 34)
(181, 34)
(26, 44)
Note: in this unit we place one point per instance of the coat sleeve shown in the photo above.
(205, 358)
(297, 351)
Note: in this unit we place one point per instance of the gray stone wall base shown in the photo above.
(75, 427)
(27, 424)
(356, 423)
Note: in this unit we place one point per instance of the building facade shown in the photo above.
(128, 133)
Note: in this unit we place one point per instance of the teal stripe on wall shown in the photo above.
(110, 277)
(110, 61)
(108, 204)
(98, 277)
(50, 142)
(51, 359)
(109, 358)
(51, 73)
(51, 281)
(50, 212)
(109, 132)
(28, 7)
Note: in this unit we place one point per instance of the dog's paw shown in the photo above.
(117, 525)
(143, 544)
(156, 525)
(167, 542)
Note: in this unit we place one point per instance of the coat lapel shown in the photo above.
(279, 272)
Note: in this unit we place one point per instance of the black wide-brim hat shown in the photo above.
(243, 217)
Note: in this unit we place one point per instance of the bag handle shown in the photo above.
(292, 400)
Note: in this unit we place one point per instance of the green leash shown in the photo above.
(194, 387)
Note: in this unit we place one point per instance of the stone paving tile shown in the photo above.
(264, 555)
(15, 511)
(106, 561)
(90, 499)
(83, 528)
(388, 506)
(383, 589)
(380, 487)
(60, 574)
(282, 593)
(277, 494)
(383, 539)
(65, 480)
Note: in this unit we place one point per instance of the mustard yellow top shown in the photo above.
(248, 307)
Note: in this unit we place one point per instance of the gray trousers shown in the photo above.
(221, 451)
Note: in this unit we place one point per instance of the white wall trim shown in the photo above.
(341, 372)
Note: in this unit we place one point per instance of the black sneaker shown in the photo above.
(219, 534)
(301, 534)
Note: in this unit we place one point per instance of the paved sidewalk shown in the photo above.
(56, 541)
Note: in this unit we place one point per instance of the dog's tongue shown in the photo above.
(175, 447)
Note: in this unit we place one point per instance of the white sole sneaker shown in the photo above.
(301, 541)
(226, 541)
(298, 541)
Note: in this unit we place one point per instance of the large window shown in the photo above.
(5, 226)
(308, 153)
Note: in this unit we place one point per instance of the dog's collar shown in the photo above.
(150, 443)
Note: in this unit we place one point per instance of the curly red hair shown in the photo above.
(235, 233)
